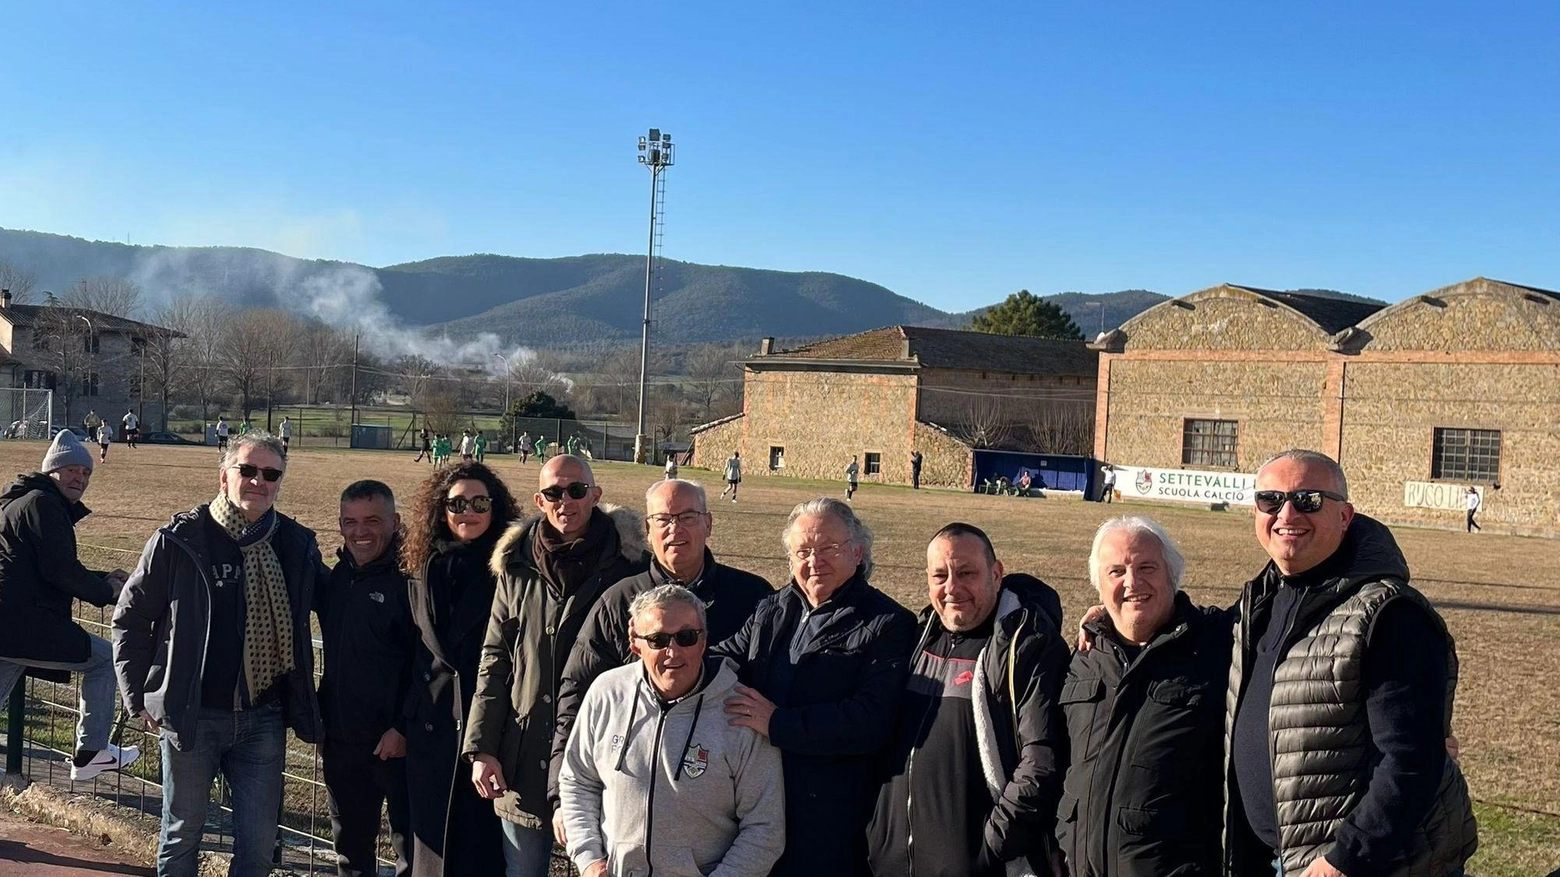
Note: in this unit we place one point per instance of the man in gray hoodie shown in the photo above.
(655, 780)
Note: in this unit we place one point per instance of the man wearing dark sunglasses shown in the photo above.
(551, 571)
(678, 524)
(657, 781)
(1348, 671)
(213, 649)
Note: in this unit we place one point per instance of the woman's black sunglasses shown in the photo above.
(457, 505)
(249, 470)
(1305, 501)
(577, 490)
(683, 638)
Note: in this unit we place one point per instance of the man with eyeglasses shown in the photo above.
(551, 571)
(824, 662)
(656, 781)
(1339, 697)
(678, 524)
(213, 650)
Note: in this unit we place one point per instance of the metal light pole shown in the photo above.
(655, 153)
(507, 374)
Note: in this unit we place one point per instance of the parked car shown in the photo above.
(163, 438)
(80, 433)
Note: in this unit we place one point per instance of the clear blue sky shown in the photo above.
(951, 152)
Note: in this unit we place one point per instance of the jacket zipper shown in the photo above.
(1289, 627)
(205, 641)
(926, 634)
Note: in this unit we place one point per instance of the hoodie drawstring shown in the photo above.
(698, 707)
(633, 713)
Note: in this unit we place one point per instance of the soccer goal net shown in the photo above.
(26, 413)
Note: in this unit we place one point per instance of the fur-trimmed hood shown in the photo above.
(512, 546)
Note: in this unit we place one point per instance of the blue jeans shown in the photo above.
(527, 851)
(249, 747)
(97, 690)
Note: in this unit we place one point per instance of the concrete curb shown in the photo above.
(134, 835)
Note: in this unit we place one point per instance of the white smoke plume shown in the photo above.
(345, 296)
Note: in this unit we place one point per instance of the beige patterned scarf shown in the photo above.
(268, 632)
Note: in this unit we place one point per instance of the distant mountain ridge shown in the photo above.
(536, 302)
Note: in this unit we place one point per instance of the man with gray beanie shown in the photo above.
(40, 577)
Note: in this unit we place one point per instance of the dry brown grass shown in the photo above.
(1500, 594)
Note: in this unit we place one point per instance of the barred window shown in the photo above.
(874, 464)
(1466, 455)
(776, 458)
(1209, 443)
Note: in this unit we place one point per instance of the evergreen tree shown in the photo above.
(1024, 313)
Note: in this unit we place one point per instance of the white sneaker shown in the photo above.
(111, 758)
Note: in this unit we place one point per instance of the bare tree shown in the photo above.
(63, 343)
(985, 424)
(322, 351)
(618, 375)
(167, 350)
(107, 295)
(1062, 427)
(714, 379)
(204, 349)
(21, 281)
(249, 353)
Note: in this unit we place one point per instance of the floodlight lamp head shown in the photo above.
(642, 144)
(655, 133)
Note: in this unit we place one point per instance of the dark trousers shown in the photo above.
(1472, 524)
(359, 784)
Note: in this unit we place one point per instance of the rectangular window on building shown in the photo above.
(1466, 455)
(38, 379)
(89, 384)
(776, 458)
(91, 343)
(1209, 443)
(874, 464)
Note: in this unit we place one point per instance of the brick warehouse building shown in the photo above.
(1419, 400)
(882, 393)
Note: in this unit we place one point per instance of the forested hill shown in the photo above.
(538, 302)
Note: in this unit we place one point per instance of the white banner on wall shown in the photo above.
(1185, 485)
(1445, 495)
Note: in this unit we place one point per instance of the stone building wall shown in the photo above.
(1222, 319)
(822, 418)
(713, 446)
(1393, 409)
(1278, 405)
(945, 461)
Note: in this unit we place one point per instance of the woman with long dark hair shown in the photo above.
(456, 518)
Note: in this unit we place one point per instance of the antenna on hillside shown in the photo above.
(655, 153)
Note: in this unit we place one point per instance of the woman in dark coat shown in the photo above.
(455, 520)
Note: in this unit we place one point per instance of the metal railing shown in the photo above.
(40, 740)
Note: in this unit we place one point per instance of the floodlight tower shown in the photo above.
(655, 153)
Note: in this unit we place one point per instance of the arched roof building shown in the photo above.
(1419, 400)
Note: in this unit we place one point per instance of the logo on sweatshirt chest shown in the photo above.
(696, 760)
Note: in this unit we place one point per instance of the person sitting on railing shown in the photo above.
(213, 650)
(40, 577)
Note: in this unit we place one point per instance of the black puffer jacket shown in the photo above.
(836, 707)
(730, 596)
(40, 576)
(1143, 796)
(162, 625)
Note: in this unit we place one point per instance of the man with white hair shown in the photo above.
(655, 780)
(1145, 715)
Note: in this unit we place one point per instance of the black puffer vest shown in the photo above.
(1322, 756)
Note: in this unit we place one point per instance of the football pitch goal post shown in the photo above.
(26, 413)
